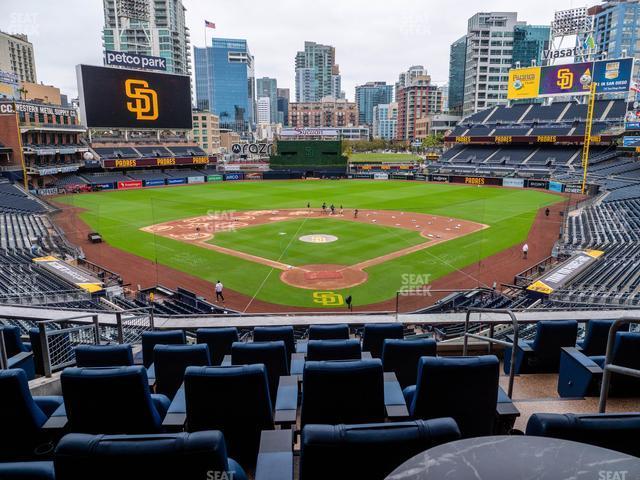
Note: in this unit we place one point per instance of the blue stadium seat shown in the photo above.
(234, 400)
(321, 350)
(22, 418)
(402, 357)
(580, 375)
(463, 388)
(185, 456)
(375, 334)
(273, 334)
(329, 332)
(171, 361)
(542, 354)
(159, 337)
(27, 471)
(273, 355)
(111, 400)
(18, 354)
(337, 392)
(369, 451)
(595, 340)
(615, 431)
(219, 341)
(104, 355)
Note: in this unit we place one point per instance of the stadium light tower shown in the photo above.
(577, 23)
(587, 134)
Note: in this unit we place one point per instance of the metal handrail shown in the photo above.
(491, 340)
(609, 367)
(4, 361)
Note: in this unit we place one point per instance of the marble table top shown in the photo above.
(518, 458)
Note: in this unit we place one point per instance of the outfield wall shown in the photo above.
(510, 182)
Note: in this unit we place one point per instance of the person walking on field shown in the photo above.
(355, 213)
(525, 250)
(219, 288)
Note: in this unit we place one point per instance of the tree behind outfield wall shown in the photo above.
(377, 144)
(433, 140)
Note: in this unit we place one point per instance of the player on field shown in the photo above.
(219, 288)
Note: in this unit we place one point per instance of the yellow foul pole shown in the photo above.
(587, 135)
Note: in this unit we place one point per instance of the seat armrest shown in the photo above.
(297, 363)
(57, 421)
(275, 458)
(226, 361)
(301, 346)
(393, 398)
(522, 344)
(366, 356)
(287, 401)
(151, 375)
(176, 416)
(18, 358)
(581, 359)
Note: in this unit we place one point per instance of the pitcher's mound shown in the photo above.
(323, 277)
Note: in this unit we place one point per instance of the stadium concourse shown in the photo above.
(187, 385)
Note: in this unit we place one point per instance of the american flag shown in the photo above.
(208, 24)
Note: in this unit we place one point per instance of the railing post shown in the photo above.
(119, 328)
(4, 362)
(512, 370)
(606, 374)
(151, 319)
(491, 334)
(44, 347)
(96, 326)
(397, 305)
(465, 344)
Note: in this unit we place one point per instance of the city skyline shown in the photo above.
(379, 46)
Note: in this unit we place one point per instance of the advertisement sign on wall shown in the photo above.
(537, 184)
(129, 184)
(381, 176)
(439, 178)
(570, 79)
(524, 83)
(613, 76)
(214, 178)
(555, 186)
(155, 182)
(513, 182)
(198, 179)
(176, 181)
(631, 142)
(233, 176)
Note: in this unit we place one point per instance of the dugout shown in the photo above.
(311, 158)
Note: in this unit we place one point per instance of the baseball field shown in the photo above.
(270, 242)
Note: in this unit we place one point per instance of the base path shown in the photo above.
(201, 230)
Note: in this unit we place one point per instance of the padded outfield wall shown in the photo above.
(309, 155)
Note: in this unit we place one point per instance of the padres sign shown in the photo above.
(119, 98)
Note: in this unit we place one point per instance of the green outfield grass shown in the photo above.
(280, 241)
(383, 157)
(119, 215)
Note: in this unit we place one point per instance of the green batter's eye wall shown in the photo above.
(308, 155)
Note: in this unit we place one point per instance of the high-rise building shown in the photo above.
(457, 58)
(264, 110)
(329, 112)
(368, 96)
(617, 27)
(283, 106)
(529, 41)
(16, 56)
(385, 120)
(416, 98)
(494, 42)
(445, 96)
(225, 83)
(317, 75)
(149, 27)
(206, 131)
(268, 87)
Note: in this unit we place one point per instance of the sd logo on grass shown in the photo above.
(328, 299)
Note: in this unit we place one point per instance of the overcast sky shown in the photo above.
(374, 39)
